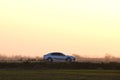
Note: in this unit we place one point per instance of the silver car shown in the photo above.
(58, 56)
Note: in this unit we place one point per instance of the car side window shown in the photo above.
(57, 54)
(54, 54)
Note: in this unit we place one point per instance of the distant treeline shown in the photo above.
(19, 58)
(107, 58)
(60, 65)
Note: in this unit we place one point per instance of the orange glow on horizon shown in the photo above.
(84, 27)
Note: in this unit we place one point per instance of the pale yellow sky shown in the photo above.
(36, 27)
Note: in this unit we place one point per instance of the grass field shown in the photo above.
(59, 74)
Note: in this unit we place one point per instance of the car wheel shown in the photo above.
(50, 60)
(69, 60)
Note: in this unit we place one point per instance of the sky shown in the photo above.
(35, 27)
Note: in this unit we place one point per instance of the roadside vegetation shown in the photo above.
(19, 68)
(60, 65)
(59, 75)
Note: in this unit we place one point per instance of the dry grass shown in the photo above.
(59, 75)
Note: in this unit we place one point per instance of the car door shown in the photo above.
(60, 57)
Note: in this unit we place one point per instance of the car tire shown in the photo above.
(69, 60)
(50, 60)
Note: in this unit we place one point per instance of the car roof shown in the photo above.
(55, 53)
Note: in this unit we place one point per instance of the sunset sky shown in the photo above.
(36, 27)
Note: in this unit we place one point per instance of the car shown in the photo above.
(58, 57)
